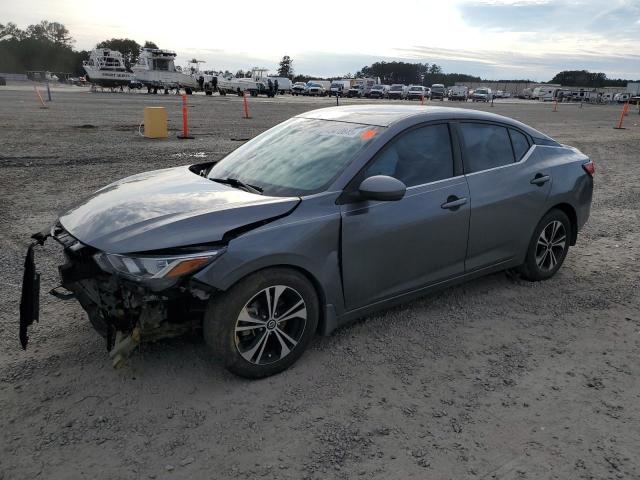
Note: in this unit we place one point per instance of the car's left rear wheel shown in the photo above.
(263, 324)
(548, 247)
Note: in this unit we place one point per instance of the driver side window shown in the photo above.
(419, 156)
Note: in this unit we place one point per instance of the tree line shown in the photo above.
(584, 78)
(43, 46)
(49, 46)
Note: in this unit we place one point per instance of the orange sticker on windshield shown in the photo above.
(368, 134)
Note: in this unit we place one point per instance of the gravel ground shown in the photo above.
(494, 379)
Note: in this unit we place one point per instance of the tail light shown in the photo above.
(589, 167)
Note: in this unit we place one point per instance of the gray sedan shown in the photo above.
(323, 219)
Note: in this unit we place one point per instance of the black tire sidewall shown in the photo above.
(223, 310)
(530, 269)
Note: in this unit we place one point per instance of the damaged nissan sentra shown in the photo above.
(320, 220)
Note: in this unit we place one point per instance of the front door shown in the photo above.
(389, 248)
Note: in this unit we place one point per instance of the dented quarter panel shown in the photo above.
(166, 209)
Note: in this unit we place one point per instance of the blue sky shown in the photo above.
(493, 39)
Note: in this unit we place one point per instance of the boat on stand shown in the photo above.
(106, 68)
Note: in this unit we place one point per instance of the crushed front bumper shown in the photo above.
(116, 306)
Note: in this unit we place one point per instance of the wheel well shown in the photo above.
(570, 212)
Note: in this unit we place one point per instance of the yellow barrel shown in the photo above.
(155, 122)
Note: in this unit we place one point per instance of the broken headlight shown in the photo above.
(155, 267)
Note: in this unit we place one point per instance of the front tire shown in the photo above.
(263, 324)
(548, 247)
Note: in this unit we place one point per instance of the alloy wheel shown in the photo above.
(270, 325)
(551, 245)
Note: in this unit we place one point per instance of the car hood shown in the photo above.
(166, 209)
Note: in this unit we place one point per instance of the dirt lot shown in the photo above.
(495, 379)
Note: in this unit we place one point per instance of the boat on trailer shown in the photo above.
(156, 69)
(106, 68)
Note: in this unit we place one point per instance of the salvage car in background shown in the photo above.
(323, 219)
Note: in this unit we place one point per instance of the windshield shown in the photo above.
(437, 88)
(415, 89)
(481, 91)
(313, 85)
(396, 87)
(376, 87)
(298, 157)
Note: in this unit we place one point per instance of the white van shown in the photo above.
(398, 90)
(417, 92)
(459, 92)
(340, 87)
(379, 91)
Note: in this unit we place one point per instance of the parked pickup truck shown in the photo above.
(481, 95)
(298, 88)
(315, 89)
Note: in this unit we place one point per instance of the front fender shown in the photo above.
(308, 240)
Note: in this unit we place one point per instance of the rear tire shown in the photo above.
(246, 326)
(548, 247)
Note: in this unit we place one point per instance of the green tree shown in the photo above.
(285, 69)
(130, 49)
(11, 30)
(148, 44)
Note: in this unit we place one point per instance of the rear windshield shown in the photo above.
(396, 87)
(414, 89)
(298, 157)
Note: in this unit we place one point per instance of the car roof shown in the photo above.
(386, 115)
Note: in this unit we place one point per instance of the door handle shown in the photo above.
(540, 179)
(453, 202)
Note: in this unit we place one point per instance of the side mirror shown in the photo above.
(382, 188)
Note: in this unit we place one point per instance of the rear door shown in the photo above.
(508, 189)
(389, 248)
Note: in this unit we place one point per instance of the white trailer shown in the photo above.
(284, 84)
(633, 88)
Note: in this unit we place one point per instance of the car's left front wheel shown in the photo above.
(263, 324)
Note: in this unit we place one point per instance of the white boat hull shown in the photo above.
(107, 78)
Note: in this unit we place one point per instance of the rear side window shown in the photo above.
(520, 144)
(420, 156)
(486, 146)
